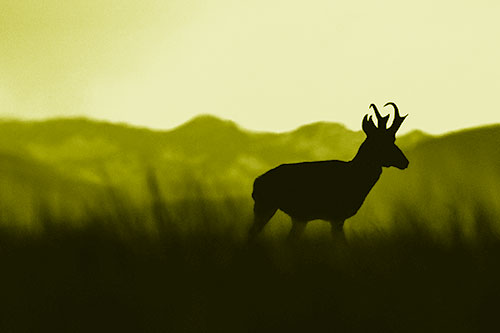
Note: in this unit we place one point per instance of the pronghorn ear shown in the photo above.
(368, 126)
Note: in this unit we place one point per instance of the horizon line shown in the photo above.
(6, 118)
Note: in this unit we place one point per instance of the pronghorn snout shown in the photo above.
(403, 164)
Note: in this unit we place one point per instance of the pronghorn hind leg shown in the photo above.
(337, 230)
(262, 214)
(298, 227)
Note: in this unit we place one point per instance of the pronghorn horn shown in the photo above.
(398, 120)
(382, 121)
(368, 125)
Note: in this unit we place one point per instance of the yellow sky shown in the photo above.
(266, 64)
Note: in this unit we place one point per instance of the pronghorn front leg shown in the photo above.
(297, 230)
(338, 230)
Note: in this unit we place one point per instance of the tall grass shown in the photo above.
(185, 266)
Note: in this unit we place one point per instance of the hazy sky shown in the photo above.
(266, 64)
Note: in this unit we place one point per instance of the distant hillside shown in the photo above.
(204, 146)
(76, 160)
(28, 185)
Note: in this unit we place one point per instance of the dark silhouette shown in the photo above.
(328, 190)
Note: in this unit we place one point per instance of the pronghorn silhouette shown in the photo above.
(328, 190)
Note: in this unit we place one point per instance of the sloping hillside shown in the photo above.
(219, 158)
(206, 148)
(28, 185)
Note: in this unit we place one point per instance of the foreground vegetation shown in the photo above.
(187, 268)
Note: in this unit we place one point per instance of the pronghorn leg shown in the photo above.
(297, 230)
(262, 215)
(337, 228)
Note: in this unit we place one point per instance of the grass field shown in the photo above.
(186, 267)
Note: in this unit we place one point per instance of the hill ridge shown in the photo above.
(201, 119)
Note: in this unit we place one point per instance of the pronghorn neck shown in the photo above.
(367, 160)
(367, 168)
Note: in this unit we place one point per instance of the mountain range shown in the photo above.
(206, 148)
(78, 157)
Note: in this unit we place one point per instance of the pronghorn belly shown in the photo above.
(312, 207)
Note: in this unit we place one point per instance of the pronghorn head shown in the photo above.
(379, 143)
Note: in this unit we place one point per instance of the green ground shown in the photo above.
(188, 268)
(110, 228)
